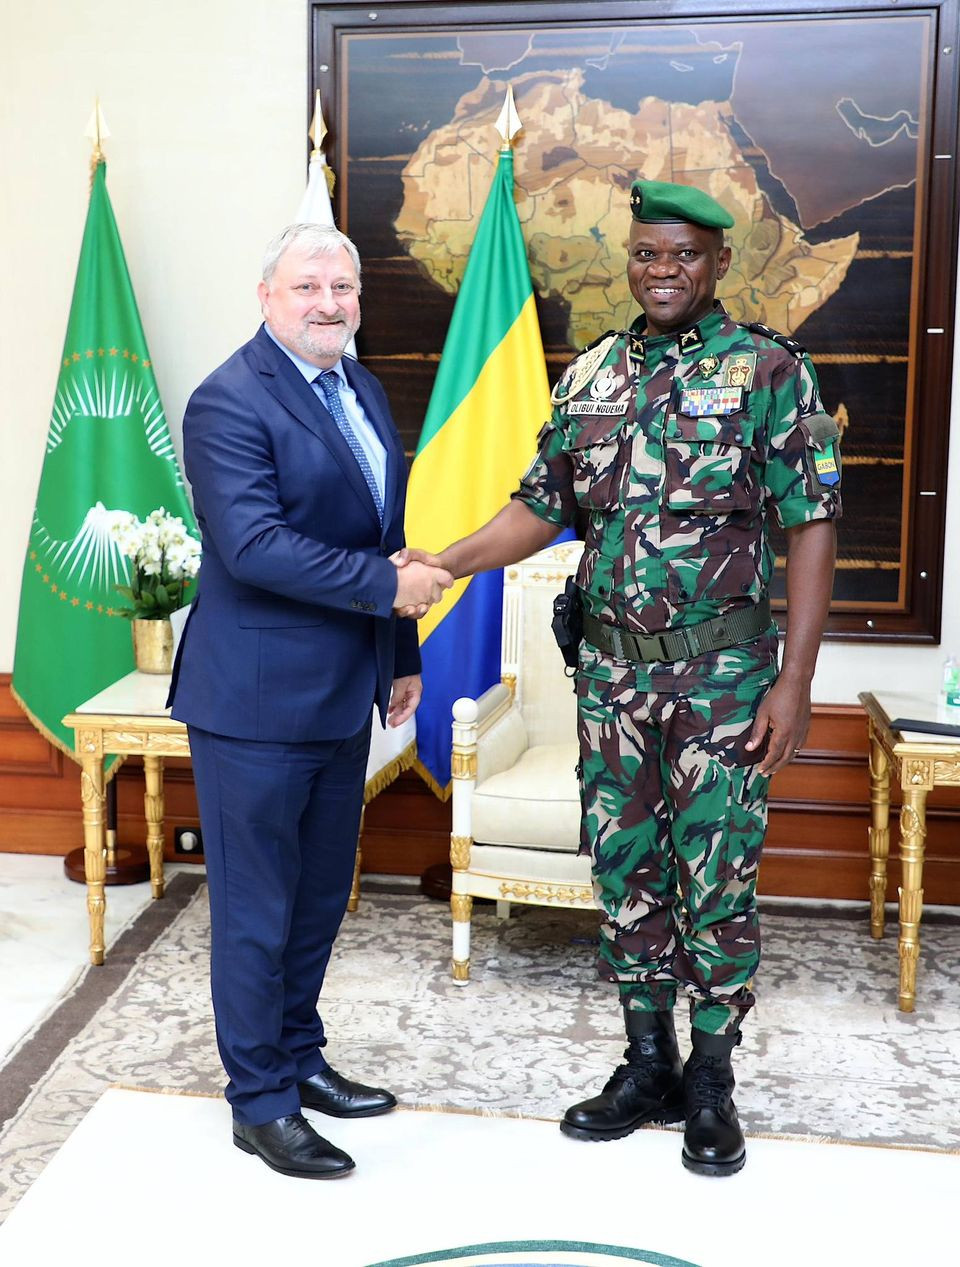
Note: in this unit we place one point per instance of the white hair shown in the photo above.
(314, 239)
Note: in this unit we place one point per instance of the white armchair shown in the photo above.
(516, 803)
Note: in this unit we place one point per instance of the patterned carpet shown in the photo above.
(826, 1054)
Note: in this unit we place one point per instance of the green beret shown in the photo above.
(657, 202)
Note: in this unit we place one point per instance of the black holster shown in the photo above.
(567, 623)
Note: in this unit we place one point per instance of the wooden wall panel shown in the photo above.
(816, 843)
(23, 750)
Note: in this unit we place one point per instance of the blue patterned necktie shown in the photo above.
(329, 383)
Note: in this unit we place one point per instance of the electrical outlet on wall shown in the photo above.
(188, 841)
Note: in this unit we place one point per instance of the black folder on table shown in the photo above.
(947, 729)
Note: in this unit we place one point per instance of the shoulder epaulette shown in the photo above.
(606, 335)
(791, 345)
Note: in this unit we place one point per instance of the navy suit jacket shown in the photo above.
(291, 636)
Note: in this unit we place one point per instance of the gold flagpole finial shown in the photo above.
(508, 121)
(318, 129)
(97, 131)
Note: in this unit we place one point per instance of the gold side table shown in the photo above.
(129, 718)
(921, 763)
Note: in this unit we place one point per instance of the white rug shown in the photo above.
(154, 1179)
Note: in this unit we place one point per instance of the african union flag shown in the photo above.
(489, 401)
(108, 453)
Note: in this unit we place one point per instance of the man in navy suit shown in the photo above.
(298, 477)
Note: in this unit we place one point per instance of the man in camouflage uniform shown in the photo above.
(676, 440)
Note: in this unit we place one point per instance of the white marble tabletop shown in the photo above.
(136, 695)
(923, 708)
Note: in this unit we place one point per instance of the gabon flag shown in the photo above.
(489, 401)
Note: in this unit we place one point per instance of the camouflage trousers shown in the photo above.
(674, 816)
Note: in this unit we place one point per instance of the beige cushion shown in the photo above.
(536, 803)
(513, 864)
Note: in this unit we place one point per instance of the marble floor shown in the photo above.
(44, 934)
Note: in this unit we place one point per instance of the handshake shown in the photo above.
(420, 583)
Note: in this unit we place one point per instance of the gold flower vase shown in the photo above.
(153, 645)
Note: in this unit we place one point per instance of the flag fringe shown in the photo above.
(57, 742)
(388, 773)
(441, 793)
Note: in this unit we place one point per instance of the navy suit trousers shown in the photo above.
(280, 824)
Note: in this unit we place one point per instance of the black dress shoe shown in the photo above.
(329, 1092)
(291, 1146)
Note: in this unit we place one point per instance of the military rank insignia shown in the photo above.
(690, 340)
(738, 370)
(710, 402)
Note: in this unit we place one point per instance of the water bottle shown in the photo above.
(950, 689)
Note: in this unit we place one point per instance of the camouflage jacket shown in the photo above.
(676, 447)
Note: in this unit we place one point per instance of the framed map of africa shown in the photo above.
(829, 132)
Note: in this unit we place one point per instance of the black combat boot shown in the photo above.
(713, 1141)
(648, 1088)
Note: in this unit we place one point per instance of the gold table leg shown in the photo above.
(94, 850)
(879, 831)
(153, 810)
(353, 901)
(912, 838)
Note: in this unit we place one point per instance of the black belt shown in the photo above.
(739, 625)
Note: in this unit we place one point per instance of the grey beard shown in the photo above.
(326, 344)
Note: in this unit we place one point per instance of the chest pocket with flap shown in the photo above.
(708, 463)
(599, 454)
